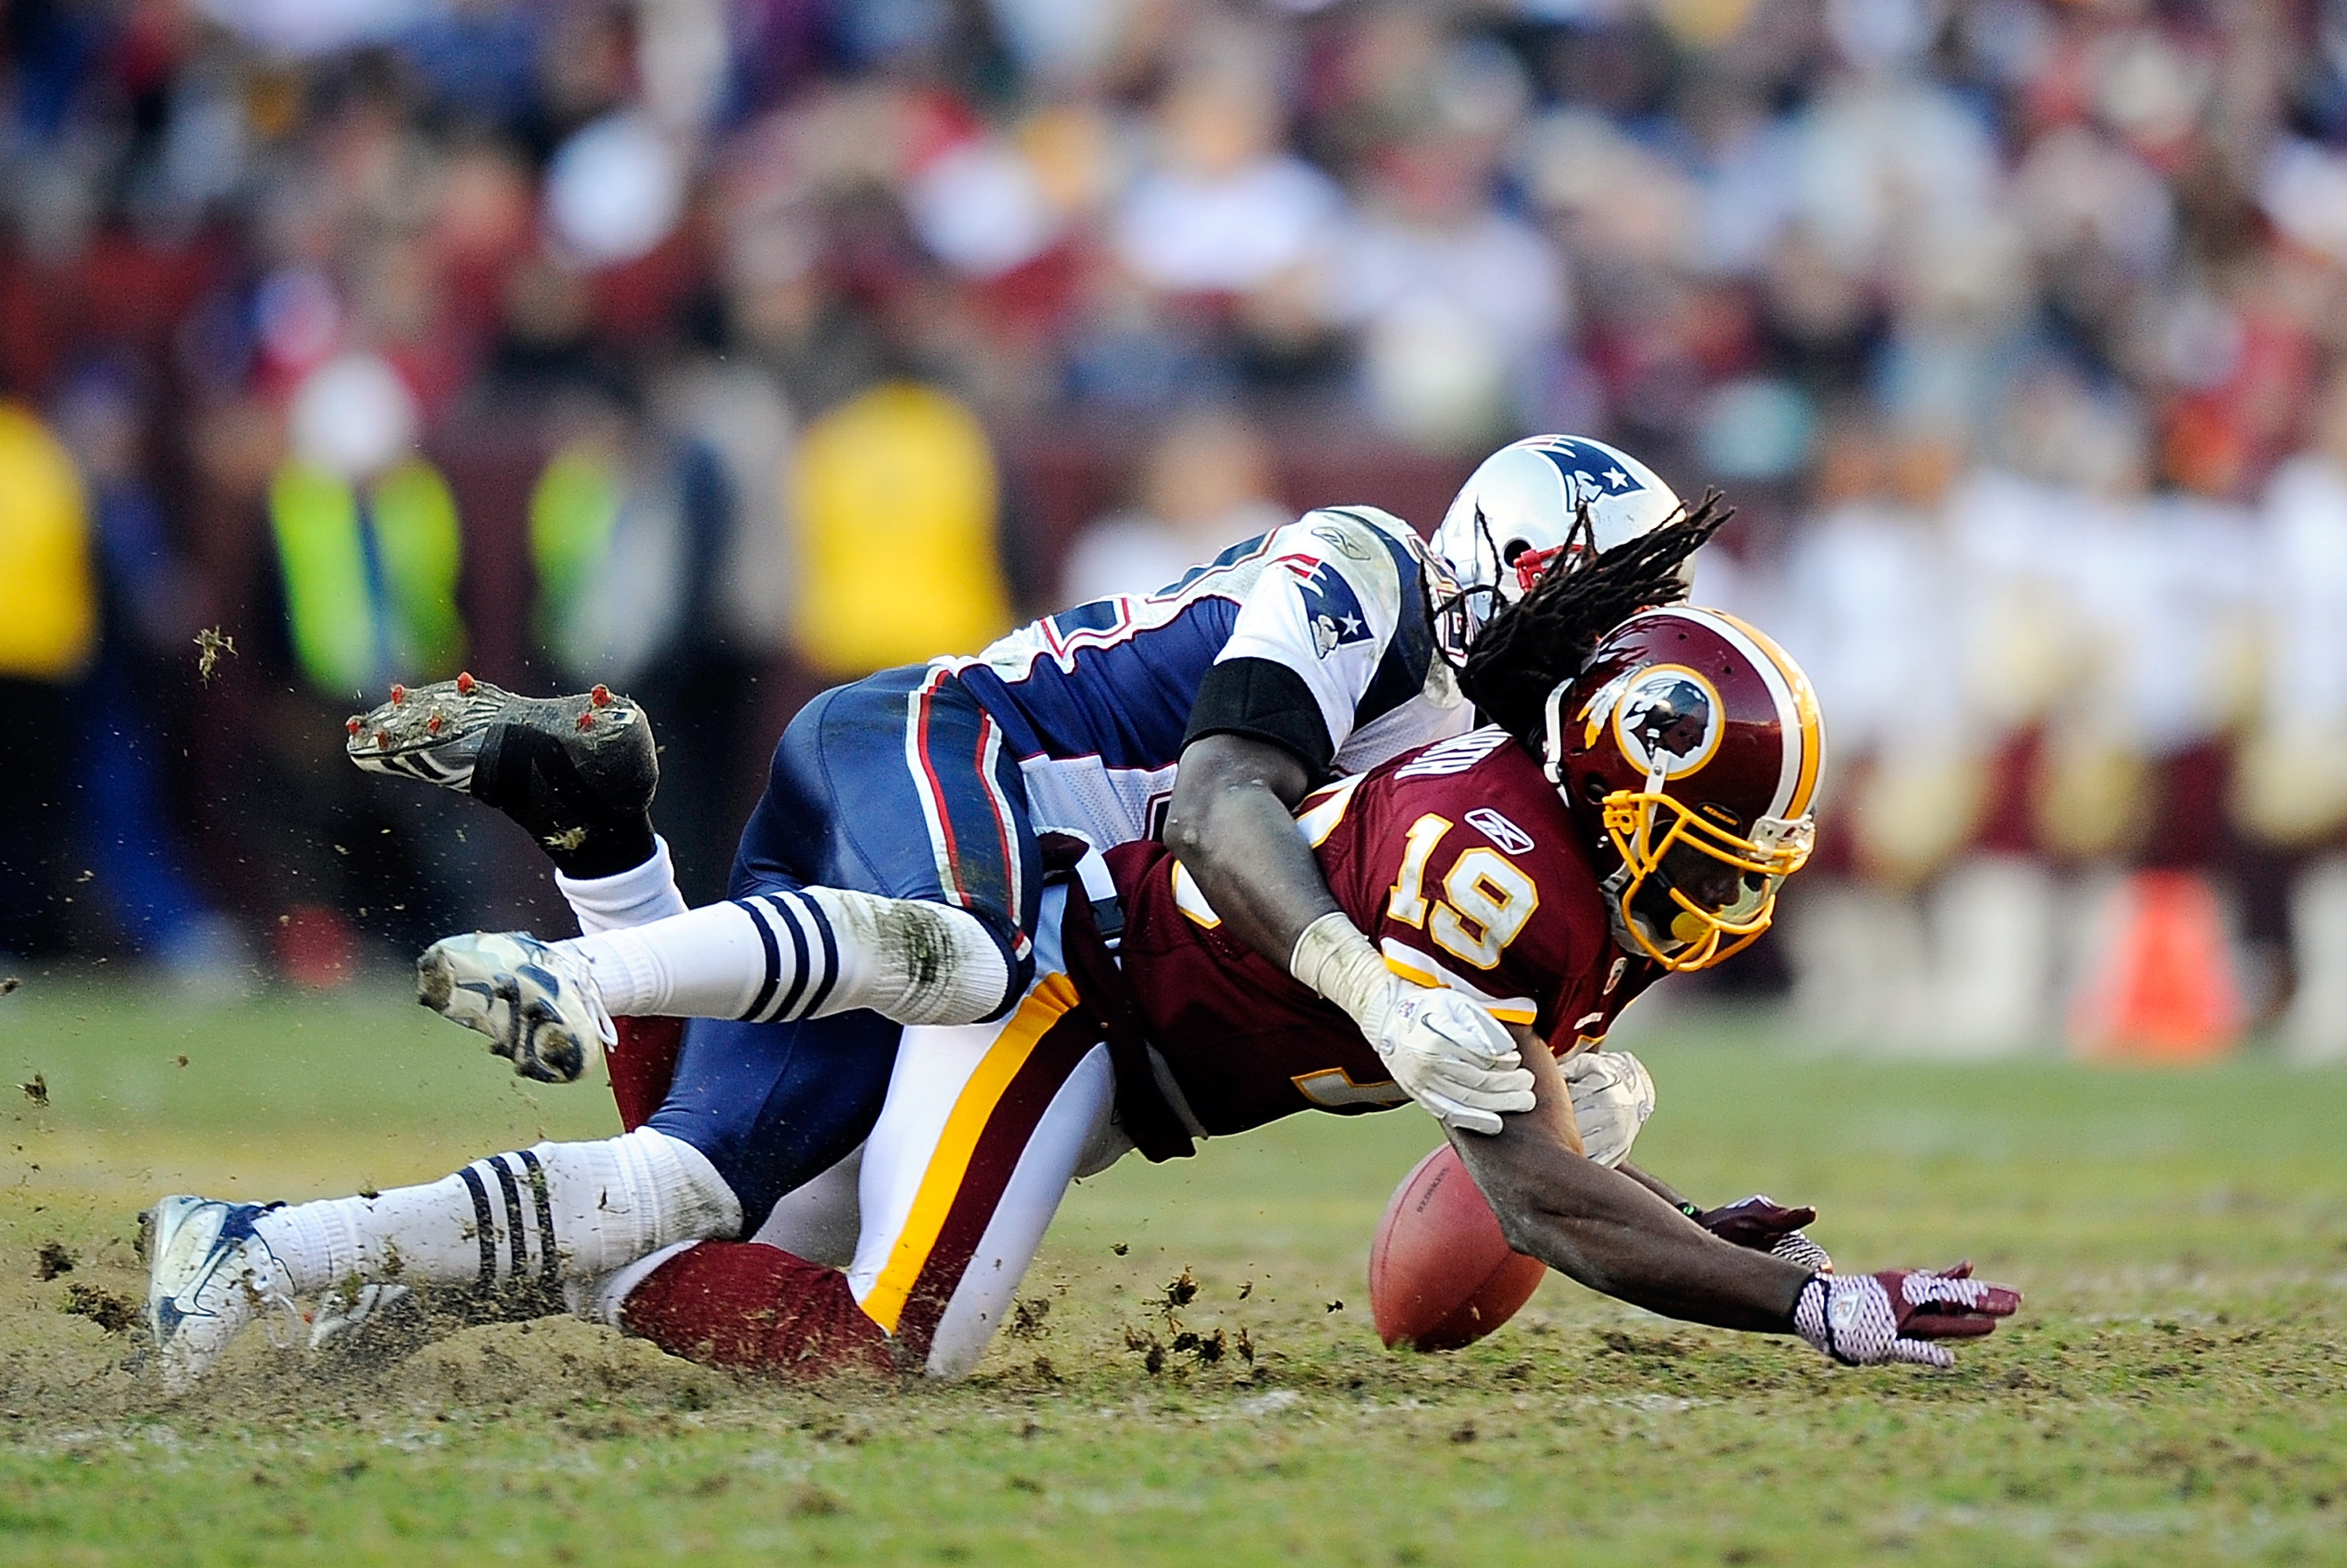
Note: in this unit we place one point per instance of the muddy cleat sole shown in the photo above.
(207, 1277)
(535, 1002)
(561, 766)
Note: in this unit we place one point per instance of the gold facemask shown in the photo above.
(1711, 891)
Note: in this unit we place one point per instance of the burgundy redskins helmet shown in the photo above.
(1697, 741)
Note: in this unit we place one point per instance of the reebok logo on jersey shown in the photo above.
(1499, 830)
(1330, 607)
(1341, 542)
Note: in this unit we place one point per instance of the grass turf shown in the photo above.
(2173, 1392)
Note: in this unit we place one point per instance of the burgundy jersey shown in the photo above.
(1459, 861)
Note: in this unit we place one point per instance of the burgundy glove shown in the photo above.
(1764, 1224)
(1893, 1315)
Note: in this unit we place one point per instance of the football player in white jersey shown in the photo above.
(891, 875)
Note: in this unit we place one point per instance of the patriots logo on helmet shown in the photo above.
(1330, 607)
(1590, 471)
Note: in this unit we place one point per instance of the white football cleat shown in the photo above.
(208, 1275)
(536, 1002)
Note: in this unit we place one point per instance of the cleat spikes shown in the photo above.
(351, 724)
(398, 695)
(594, 751)
(465, 683)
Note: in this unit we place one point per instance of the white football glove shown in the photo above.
(1447, 1053)
(1899, 1314)
(1452, 1057)
(1612, 1098)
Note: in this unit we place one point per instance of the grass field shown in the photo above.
(2175, 1392)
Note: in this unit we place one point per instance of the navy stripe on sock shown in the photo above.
(774, 963)
(798, 953)
(484, 1228)
(517, 1238)
(548, 1265)
(830, 957)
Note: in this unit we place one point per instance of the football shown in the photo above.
(1441, 1274)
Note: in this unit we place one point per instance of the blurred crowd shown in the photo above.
(718, 349)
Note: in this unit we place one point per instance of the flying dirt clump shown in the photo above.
(211, 643)
(1027, 1317)
(114, 1312)
(1206, 1349)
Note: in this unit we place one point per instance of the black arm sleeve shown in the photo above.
(1264, 700)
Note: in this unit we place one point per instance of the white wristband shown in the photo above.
(1335, 959)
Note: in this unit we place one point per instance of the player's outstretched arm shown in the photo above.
(1614, 1235)
(1610, 1234)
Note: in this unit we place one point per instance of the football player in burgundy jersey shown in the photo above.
(1633, 821)
(1464, 866)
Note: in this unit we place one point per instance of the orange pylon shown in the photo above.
(2162, 986)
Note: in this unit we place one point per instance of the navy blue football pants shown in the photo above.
(897, 785)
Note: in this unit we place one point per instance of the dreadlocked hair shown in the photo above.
(1548, 635)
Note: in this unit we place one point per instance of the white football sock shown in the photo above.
(804, 954)
(556, 1213)
(912, 960)
(704, 963)
(636, 897)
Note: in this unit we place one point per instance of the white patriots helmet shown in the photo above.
(1540, 502)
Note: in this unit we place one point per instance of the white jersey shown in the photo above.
(1097, 702)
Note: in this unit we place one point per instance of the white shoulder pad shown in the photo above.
(1327, 607)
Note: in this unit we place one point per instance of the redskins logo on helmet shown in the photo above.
(1697, 741)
